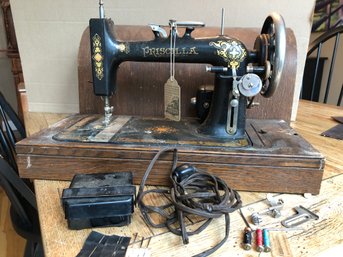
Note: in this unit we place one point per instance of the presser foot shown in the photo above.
(108, 111)
(107, 119)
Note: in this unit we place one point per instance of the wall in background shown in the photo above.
(49, 32)
(7, 86)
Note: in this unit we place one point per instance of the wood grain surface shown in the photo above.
(279, 161)
(317, 238)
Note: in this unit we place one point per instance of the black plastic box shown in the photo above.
(98, 200)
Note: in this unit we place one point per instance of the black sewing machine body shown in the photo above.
(188, 50)
(222, 51)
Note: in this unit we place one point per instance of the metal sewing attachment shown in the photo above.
(303, 215)
(250, 85)
(274, 210)
(158, 31)
(108, 111)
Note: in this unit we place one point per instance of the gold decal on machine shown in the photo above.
(232, 51)
(124, 48)
(98, 57)
(159, 52)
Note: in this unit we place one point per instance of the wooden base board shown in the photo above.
(277, 159)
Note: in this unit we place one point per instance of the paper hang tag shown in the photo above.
(172, 100)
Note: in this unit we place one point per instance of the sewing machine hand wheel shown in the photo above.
(271, 45)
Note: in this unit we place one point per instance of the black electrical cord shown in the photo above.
(193, 192)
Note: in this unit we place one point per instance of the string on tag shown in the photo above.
(172, 50)
(172, 90)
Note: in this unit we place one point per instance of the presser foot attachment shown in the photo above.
(274, 210)
(108, 111)
(303, 215)
(158, 31)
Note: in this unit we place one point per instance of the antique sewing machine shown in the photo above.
(240, 73)
(250, 154)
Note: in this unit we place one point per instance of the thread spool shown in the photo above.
(247, 238)
(259, 240)
(266, 241)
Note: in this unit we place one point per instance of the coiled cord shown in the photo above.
(198, 193)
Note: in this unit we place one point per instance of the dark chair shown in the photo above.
(8, 137)
(23, 210)
(312, 82)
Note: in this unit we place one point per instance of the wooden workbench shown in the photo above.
(317, 239)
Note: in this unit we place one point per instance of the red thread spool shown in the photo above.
(259, 241)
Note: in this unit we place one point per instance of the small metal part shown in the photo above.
(216, 69)
(108, 110)
(193, 24)
(250, 69)
(266, 240)
(285, 229)
(261, 70)
(157, 28)
(272, 200)
(234, 103)
(206, 105)
(172, 25)
(253, 104)
(259, 240)
(232, 117)
(235, 83)
(193, 100)
(303, 215)
(250, 85)
(247, 238)
(172, 22)
(273, 211)
(256, 218)
(206, 88)
(276, 206)
(222, 22)
(101, 9)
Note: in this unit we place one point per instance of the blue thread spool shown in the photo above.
(266, 241)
